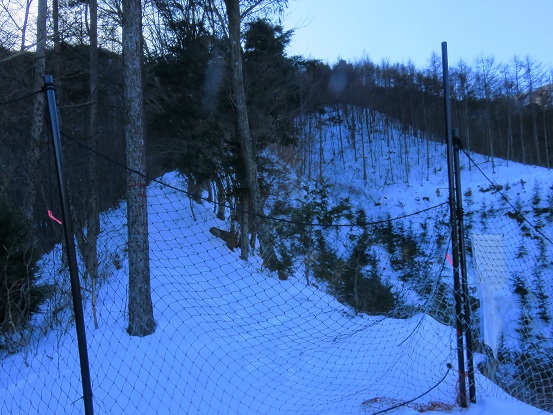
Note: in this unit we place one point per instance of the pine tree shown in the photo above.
(541, 264)
(525, 321)
(21, 293)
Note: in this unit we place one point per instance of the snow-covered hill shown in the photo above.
(233, 339)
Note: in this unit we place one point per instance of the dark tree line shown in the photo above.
(501, 110)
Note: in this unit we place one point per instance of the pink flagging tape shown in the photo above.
(51, 216)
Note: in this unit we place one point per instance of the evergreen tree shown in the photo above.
(525, 321)
(361, 286)
(271, 85)
(21, 293)
(540, 267)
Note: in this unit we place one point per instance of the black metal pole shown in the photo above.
(463, 262)
(454, 234)
(69, 244)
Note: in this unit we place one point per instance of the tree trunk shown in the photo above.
(242, 120)
(489, 130)
(510, 151)
(545, 139)
(256, 224)
(363, 149)
(308, 148)
(25, 23)
(141, 318)
(221, 199)
(467, 127)
(38, 113)
(93, 220)
(521, 133)
(244, 204)
(321, 148)
(518, 92)
(56, 37)
(353, 134)
(530, 75)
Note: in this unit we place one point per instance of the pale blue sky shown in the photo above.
(412, 29)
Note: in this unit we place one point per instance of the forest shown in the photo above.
(214, 88)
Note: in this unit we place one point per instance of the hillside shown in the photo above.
(231, 338)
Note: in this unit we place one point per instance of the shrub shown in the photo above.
(21, 295)
(361, 285)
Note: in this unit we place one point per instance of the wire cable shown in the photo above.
(21, 98)
(399, 405)
(265, 217)
(498, 190)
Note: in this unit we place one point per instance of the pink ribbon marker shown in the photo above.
(449, 258)
(51, 215)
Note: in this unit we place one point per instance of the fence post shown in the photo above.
(69, 244)
(463, 263)
(458, 296)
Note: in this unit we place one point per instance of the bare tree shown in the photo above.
(533, 75)
(93, 217)
(25, 23)
(547, 102)
(15, 16)
(463, 76)
(56, 38)
(141, 318)
(486, 79)
(508, 91)
(518, 70)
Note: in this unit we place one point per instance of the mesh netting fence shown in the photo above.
(510, 236)
(363, 324)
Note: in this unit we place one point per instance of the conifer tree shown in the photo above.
(21, 294)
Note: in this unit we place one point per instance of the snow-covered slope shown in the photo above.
(233, 339)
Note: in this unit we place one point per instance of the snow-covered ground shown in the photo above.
(233, 339)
